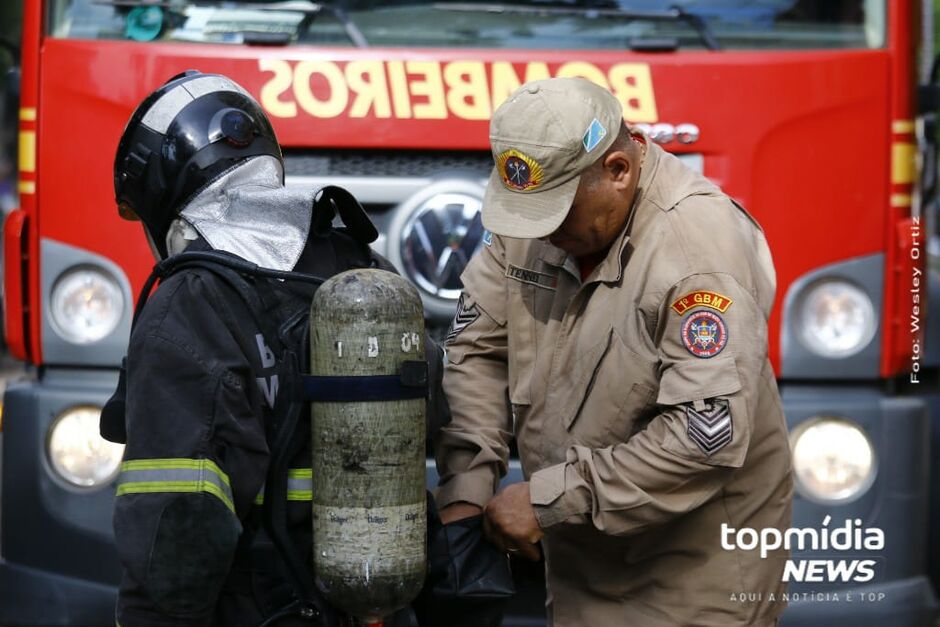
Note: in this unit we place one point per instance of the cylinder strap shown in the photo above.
(410, 383)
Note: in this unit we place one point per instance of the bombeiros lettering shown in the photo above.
(434, 90)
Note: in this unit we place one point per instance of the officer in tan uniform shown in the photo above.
(615, 324)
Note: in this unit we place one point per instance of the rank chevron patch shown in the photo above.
(710, 428)
(464, 317)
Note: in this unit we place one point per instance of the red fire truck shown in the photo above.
(806, 111)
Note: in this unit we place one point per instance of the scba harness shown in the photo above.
(287, 339)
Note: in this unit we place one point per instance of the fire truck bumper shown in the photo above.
(894, 499)
(35, 597)
(58, 563)
(905, 603)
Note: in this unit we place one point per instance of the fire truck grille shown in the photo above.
(401, 163)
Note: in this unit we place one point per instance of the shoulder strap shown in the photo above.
(284, 447)
(229, 269)
(332, 200)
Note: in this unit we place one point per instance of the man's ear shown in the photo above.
(618, 167)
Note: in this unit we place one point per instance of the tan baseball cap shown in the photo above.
(543, 137)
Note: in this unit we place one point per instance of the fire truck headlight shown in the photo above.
(78, 454)
(86, 305)
(836, 319)
(833, 459)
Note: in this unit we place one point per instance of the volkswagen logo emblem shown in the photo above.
(439, 232)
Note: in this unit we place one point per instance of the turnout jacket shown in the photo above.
(201, 386)
(643, 404)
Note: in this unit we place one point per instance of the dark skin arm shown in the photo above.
(509, 520)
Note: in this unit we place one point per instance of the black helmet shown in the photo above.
(180, 139)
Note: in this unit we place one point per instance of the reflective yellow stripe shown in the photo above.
(27, 144)
(299, 486)
(151, 487)
(27, 187)
(901, 200)
(302, 477)
(292, 495)
(174, 464)
(902, 163)
(28, 114)
(902, 126)
(153, 476)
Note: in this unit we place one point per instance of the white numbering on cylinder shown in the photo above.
(373, 346)
(410, 341)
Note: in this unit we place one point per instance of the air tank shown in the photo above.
(369, 506)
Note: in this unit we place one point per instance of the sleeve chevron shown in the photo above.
(710, 428)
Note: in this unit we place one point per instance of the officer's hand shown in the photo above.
(509, 522)
(456, 511)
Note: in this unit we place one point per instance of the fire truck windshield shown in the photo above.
(524, 24)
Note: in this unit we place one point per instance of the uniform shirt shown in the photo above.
(643, 403)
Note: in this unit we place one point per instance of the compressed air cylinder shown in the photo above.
(369, 505)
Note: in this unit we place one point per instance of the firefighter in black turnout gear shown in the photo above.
(212, 516)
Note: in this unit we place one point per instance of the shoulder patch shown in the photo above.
(710, 427)
(704, 334)
(464, 317)
(702, 298)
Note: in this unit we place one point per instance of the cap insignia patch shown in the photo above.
(593, 135)
(519, 171)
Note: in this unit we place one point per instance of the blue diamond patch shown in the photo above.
(593, 135)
